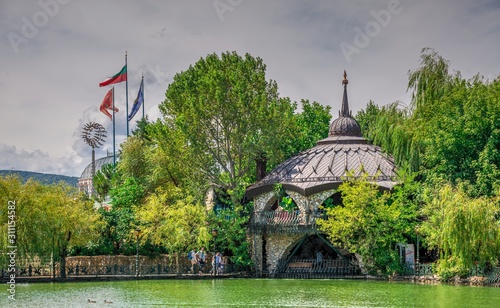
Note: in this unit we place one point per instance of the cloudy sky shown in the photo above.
(54, 53)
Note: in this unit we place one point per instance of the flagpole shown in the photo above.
(143, 101)
(114, 150)
(126, 90)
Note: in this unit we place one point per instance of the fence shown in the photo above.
(102, 266)
(310, 268)
(494, 277)
(283, 221)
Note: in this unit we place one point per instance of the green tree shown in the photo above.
(102, 181)
(176, 223)
(301, 130)
(49, 219)
(119, 221)
(465, 230)
(449, 131)
(228, 113)
(232, 227)
(369, 223)
(391, 128)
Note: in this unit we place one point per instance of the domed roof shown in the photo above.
(345, 126)
(87, 172)
(344, 152)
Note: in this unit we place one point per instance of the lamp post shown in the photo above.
(52, 256)
(215, 233)
(137, 233)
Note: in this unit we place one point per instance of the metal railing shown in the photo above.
(494, 277)
(421, 269)
(113, 269)
(284, 222)
(310, 268)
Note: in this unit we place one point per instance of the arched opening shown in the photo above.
(334, 200)
(280, 211)
(314, 257)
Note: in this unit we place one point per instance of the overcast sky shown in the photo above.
(54, 53)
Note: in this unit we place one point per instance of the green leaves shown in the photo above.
(49, 218)
(369, 223)
(223, 107)
(464, 229)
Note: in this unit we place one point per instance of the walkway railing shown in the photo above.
(310, 268)
(421, 269)
(494, 277)
(106, 269)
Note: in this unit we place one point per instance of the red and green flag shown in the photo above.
(121, 76)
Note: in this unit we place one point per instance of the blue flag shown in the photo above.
(138, 101)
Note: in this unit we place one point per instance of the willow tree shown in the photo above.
(465, 230)
(450, 130)
(228, 113)
(49, 219)
(391, 128)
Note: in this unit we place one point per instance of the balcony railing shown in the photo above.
(284, 222)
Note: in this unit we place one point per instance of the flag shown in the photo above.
(138, 101)
(121, 76)
(107, 104)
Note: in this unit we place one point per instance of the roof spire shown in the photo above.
(344, 112)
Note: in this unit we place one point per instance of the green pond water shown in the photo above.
(249, 293)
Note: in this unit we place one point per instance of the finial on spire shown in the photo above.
(344, 110)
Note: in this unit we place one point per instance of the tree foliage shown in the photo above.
(449, 134)
(465, 230)
(228, 115)
(369, 223)
(48, 218)
(173, 222)
(450, 130)
(232, 239)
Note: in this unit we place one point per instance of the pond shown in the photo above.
(250, 293)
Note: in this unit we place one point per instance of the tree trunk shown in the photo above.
(62, 267)
(63, 254)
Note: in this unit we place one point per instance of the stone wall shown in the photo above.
(119, 260)
(278, 246)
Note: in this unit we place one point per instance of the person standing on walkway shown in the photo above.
(201, 257)
(192, 258)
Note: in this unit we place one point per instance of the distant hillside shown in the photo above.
(42, 177)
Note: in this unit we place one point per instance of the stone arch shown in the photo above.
(334, 199)
(262, 200)
(310, 251)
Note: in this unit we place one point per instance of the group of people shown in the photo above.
(199, 259)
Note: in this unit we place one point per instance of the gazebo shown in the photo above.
(287, 243)
(85, 181)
